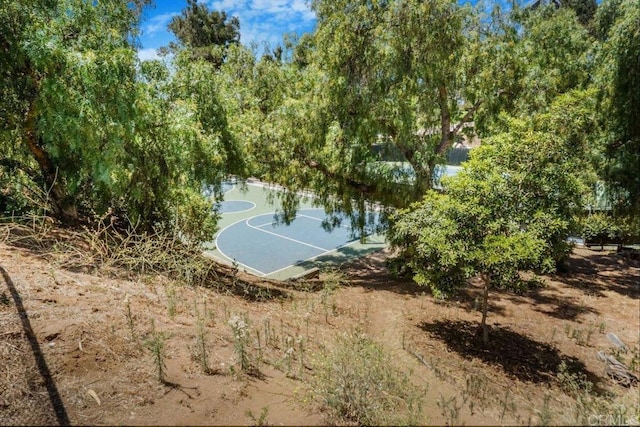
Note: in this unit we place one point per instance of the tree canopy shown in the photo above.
(204, 32)
(619, 80)
(360, 111)
(509, 210)
(88, 132)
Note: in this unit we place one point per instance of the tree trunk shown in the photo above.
(62, 205)
(485, 307)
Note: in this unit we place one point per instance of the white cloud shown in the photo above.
(267, 20)
(158, 23)
(146, 54)
(261, 21)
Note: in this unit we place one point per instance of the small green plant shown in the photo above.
(288, 354)
(156, 345)
(301, 341)
(475, 389)
(450, 409)
(240, 327)
(129, 316)
(544, 414)
(602, 326)
(357, 382)
(260, 420)
(269, 334)
(201, 351)
(172, 300)
(508, 405)
(580, 335)
(332, 280)
(590, 331)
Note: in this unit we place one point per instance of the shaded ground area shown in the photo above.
(24, 399)
(514, 353)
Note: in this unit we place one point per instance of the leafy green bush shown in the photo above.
(603, 228)
(599, 228)
(358, 382)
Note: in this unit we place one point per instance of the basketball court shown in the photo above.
(252, 237)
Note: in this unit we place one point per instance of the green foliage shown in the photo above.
(68, 95)
(533, 57)
(358, 382)
(404, 76)
(510, 209)
(156, 343)
(448, 238)
(205, 33)
(88, 132)
(605, 228)
(585, 10)
(371, 73)
(169, 159)
(619, 80)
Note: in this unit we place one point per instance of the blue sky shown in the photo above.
(260, 21)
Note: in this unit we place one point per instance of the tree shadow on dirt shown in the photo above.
(541, 298)
(372, 274)
(386, 282)
(40, 361)
(602, 271)
(554, 305)
(517, 355)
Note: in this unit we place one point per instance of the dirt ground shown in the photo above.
(76, 347)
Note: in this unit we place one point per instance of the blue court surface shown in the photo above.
(235, 206)
(251, 236)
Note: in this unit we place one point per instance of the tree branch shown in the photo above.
(467, 116)
(448, 134)
(361, 187)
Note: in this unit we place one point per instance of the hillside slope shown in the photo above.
(76, 345)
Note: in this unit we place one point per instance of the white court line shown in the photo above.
(314, 257)
(233, 259)
(235, 212)
(287, 238)
(262, 225)
(263, 274)
(320, 220)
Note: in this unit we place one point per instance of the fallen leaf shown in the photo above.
(94, 395)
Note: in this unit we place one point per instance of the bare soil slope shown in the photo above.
(77, 347)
